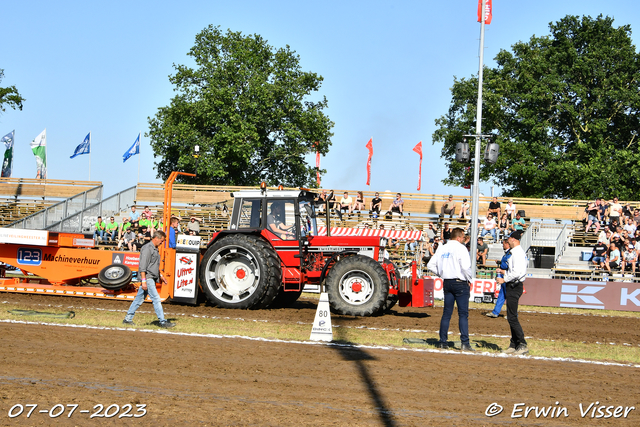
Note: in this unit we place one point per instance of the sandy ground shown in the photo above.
(186, 380)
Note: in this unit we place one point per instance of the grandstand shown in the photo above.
(555, 228)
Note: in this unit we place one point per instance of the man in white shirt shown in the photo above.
(512, 281)
(452, 263)
(489, 227)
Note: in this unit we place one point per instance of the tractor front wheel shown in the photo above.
(357, 286)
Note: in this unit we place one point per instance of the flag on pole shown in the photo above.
(135, 149)
(318, 166)
(418, 149)
(84, 147)
(488, 11)
(8, 154)
(39, 148)
(370, 148)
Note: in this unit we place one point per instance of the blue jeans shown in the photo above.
(140, 297)
(113, 235)
(485, 232)
(98, 233)
(499, 301)
(457, 292)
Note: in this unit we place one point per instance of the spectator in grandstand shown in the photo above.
(126, 224)
(135, 216)
(605, 236)
(143, 221)
(393, 242)
(517, 223)
(142, 239)
(464, 209)
(411, 246)
(627, 212)
(489, 227)
(482, 251)
(602, 207)
(504, 265)
(346, 203)
(445, 234)
(429, 233)
(617, 240)
(321, 201)
(358, 205)
(636, 215)
(510, 210)
(599, 254)
(100, 226)
(397, 205)
(333, 204)
(503, 225)
(128, 239)
(147, 212)
(427, 251)
(193, 228)
(615, 210)
(494, 208)
(375, 206)
(613, 258)
(112, 229)
(448, 207)
(630, 227)
(593, 216)
(629, 259)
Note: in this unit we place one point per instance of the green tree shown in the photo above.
(9, 96)
(565, 109)
(245, 104)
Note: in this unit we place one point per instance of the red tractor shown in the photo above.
(272, 250)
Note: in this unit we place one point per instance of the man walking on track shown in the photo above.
(149, 270)
(452, 263)
(512, 282)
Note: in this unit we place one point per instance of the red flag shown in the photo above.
(418, 149)
(318, 166)
(488, 11)
(370, 148)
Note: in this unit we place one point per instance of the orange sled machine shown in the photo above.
(67, 264)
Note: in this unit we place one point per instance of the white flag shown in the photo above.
(39, 148)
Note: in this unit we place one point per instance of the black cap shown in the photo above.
(516, 234)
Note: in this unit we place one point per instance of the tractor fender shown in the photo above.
(330, 260)
(220, 234)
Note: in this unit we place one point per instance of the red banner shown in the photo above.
(488, 11)
(370, 148)
(418, 149)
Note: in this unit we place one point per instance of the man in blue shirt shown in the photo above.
(504, 265)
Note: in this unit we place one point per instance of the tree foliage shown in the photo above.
(565, 109)
(9, 96)
(245, 104)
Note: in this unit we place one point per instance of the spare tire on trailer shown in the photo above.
(115, 277)
(240, 271)
(357, 286)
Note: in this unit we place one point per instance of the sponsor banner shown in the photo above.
(90, 243)
(66, 259)
(188, 243)
(186, 275)
(24, 237)
(478, 287)
(624, 296)
(130, 260)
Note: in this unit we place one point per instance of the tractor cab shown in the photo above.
(287, 214)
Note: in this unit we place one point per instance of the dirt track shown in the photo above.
(224, 381)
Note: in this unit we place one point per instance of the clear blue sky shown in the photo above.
(387, 66)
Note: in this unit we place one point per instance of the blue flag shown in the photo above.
(84, 147)
(135, 149)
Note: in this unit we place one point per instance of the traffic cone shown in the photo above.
(321, 330)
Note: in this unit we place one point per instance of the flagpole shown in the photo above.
(46, 154)
(89, 156)
(139, 150)
(476, 170)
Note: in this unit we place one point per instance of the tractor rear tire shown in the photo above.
(357, 286)
(115, 277)
(240, 271)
